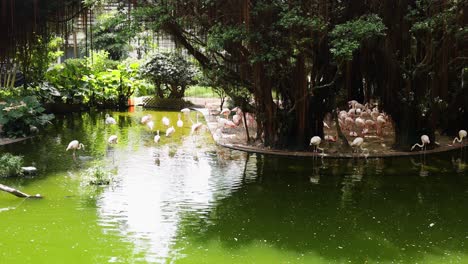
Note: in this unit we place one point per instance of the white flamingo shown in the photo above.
(165, 121)
(170, 131)
(185, 111)
(196, 126)
(112, 139)
(157, 137)
(180, 123)
(461, 135)
(225, 112)
(145, 119)
(358, 143)
(424, 141)
(150, 125)
(75, 145)
(315, 141)
(110, 120)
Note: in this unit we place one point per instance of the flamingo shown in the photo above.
(424, 141)
(236, 119)
(110, 120)
(343, 114)
(179, 122)
(33, 129)
(112, 139)
(165, 121)
(74, 145)
(315, 141)
(150, 125)
(349, 122)
(145, 119)
(185, 111)
(370, 123)
(157, 137)
(380, 124)
(196, 126)
(461, 135)
(352, 103)
(358, 143)
(330, 138)
(170, 131)
(225, 112)
(360, 123)
(326, 125)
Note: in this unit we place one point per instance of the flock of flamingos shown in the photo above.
(360, 120)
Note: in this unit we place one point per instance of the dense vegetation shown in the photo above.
(291, 62)
(10, 165)
(316, 55)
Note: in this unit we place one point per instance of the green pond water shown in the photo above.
(185, 200)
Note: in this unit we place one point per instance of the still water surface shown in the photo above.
(185, 200)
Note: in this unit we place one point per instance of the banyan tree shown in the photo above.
(302, 59)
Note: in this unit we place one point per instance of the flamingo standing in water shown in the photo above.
(424, 141)
(75, 145)
(358, 143)
(185, 111)
(315, 141)
(112, 139)
(145, 119)
(180, 123)
(196, 126)
(150, 125)
(110, 120)
(170, 131)
(157, 137)
(165, 121)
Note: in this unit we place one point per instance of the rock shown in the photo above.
(29, 170)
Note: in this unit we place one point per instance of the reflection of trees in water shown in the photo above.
(352, 214)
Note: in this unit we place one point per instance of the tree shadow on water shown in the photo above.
(358, 211)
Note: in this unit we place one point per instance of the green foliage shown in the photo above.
(221, 36)
(113, 33)
(64, 82)
(95, 80)
(171, 73)
(18, 115)
(97, 175)
(165, 103)
(10, 165)
(200, 91)
(348, 37)
(36, 59)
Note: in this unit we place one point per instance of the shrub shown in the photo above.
(10, 165)
(96, 175)
(171, 73)
(170, 103)
(19, 115)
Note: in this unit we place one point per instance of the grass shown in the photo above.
(200, 91)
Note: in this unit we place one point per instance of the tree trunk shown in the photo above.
(17, 193)
(266, 118)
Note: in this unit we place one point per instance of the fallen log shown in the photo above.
(17, 193)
